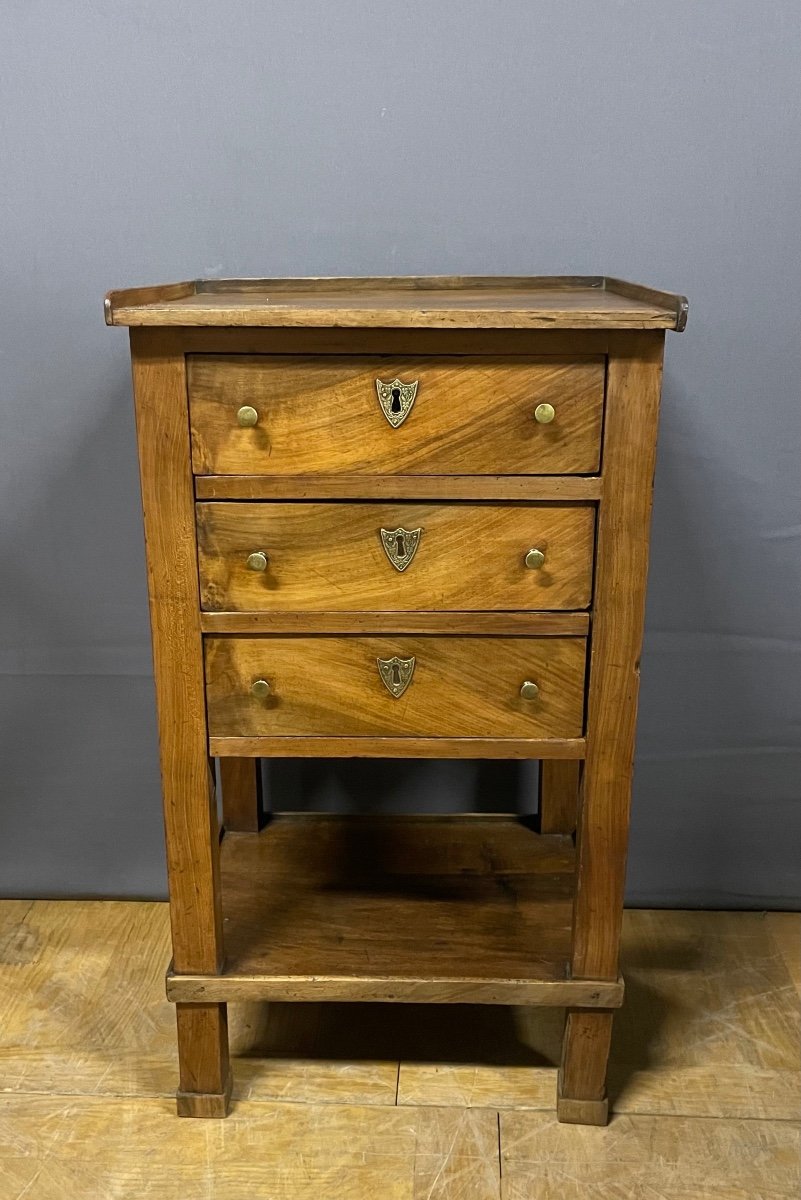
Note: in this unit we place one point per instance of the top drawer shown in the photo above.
(433, 416)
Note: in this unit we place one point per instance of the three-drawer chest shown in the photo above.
(396, 518)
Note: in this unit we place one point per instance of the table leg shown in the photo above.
(581, 1095)
(559, 785)
(242, 802)
(205, 1074)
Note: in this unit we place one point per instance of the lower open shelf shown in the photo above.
(471, 909)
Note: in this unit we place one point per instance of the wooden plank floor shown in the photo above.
(406, 1102)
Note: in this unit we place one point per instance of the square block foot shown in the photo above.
(204, 1104)
(582, 1112)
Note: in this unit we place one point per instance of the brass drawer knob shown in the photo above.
(529, 690)
(260, 688)
(544, 414)
(257, 561)
(247, 417)
(534, 559)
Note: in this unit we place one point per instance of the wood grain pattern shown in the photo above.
(205, 1073)
(710, 1025)
(471, 416)
(540, 302)
(633, 394)
(559, 791)
(637, 291)
(540, 624)
(710, 1010)
(397, 747)
(404, 287)
(55, 1147)
(712, 1092)
(399, 487)
(83, 1013)
(632, 409)
(471, 467)
(190, 814)
(462, 687)
(411, 908)
(431, 1078)
(271, 1151)
(145, 296)
(581, 1091)
(709, 1029)
(646, 1156)
(168, 510)
(326, 558)
(786, 931)
(334, 340)
(233, 986)
(242, 800)
(426, 310)
(580, 1112)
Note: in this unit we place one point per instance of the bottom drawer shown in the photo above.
(395, 686)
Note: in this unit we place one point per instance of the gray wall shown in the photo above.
(161, 140)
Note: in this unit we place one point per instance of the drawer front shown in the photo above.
(455, 416)
(347, 685)
(394, 557)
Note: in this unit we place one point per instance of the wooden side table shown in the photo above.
(401, 518)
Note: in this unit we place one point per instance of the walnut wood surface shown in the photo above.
(580, 1112)
(541, 302)
(632, 409)
(463, 909)
(326, 557)
(168, 507)
(462, 687)
(190, 816)
(205, 1083)
(397, 747)
(471, 415)
(399, 487)
(442, 911)
(634, 380)
(581, 1090)
(559, 791)
(541, 624)
(570, 343)
(144, 297)
(234, 986)
(242, 801)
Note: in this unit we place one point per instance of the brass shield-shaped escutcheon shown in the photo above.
(400, 545)
(396, 674)
(396, 399)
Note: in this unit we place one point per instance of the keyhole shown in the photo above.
(395, 406)
(400, 548)
(396, 674)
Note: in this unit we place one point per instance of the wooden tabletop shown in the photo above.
(440, 302)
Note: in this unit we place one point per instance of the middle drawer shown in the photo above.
(286, 556)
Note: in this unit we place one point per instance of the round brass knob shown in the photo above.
(257, 561)
(544, 414)
(529, 690)
(534, 559)
(260, 688)
(247, 417)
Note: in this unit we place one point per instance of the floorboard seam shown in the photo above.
(158, 1097)
(500, 1157)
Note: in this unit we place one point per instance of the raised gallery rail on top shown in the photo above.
(467, 302)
